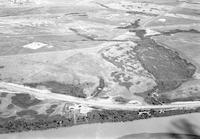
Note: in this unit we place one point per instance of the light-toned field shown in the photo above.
(80, 42)
(125, 52)
(27, 106)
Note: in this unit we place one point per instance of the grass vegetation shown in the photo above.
(42, 121)
(51, 109)
(60, 88)
(24, 100)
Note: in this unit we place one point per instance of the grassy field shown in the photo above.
(187, 44)
(118, 52)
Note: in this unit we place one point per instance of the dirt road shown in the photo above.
(99, 103)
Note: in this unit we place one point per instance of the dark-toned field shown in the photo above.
(169, 69)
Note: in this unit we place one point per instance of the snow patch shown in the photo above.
(162, 20)
(196, 75)
(36, 45)
(85, 110)
(81, 108)
(134, 102)
(151, 32)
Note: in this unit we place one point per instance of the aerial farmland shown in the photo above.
(65, 63)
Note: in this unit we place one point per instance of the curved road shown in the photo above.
(99, 103)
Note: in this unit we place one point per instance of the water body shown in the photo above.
(175, 124)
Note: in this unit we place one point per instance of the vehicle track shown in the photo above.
(98, 103)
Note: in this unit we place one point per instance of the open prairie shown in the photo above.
(73, 61)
